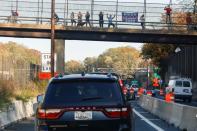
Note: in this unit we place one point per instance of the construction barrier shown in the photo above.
(182, 116)
(16, 111)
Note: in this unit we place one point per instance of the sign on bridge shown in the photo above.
(130, 17)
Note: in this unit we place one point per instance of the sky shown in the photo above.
(77, 50)
(74, 49)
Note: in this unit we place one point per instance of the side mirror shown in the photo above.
(40, 98)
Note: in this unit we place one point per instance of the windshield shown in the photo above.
(67, 92)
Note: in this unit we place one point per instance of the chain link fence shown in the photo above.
(18, 70)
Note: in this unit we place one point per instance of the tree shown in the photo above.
(73, 66)
(156, 52)
(123, 60)
(90, 63)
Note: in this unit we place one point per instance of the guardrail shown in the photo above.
(16, 111)
(181, 116)
(39, 12)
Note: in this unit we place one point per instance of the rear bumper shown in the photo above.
(178, 96)
(83, 126)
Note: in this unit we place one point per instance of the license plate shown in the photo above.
(79, 115)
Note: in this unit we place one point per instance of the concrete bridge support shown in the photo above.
(60, 55)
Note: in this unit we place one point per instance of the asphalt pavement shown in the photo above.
(144, 121)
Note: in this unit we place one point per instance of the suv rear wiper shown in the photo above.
(91, 98)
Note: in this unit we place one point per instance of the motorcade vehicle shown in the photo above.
(181, 88)
(84, 102)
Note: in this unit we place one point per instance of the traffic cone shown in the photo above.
(169, 97)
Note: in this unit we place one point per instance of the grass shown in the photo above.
(10, 90)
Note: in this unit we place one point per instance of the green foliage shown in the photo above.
(9, 89)
(123, 60)
(19, 52)
(32, 89)
(74, 67)
(6, 92)
(157, 51)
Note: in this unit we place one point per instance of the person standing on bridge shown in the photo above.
(72, 18)
(101, 21)
(188, 21)
(79, 19)
(168, 14)
(110, 20)
(87, 19)
(142, 20)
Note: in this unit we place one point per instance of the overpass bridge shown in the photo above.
(33, 21)
(99, 34)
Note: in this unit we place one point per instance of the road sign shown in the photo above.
(46, 62)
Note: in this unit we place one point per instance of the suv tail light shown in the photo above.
(117, 112)
(49, 113)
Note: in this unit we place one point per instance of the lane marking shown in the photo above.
(152, 119)
(148, 121)
(143, 112)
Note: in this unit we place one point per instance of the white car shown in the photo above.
(181, 87)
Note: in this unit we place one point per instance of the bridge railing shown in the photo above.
(39, 12)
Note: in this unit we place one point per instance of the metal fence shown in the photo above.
(183, 64)
(39, 11)
(20, 71)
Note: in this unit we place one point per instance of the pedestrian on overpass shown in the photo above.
(142, 20)
(110, 20)
(79, 19)
(87, 19)
(168, 14)
(101, 21)
(188, 21)
(56, 18)
(72, 18)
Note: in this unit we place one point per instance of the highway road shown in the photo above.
(144, 121)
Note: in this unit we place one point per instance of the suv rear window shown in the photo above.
(82, 91)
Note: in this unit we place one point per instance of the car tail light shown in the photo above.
(120, 82)
(149, 93)
(131, 90)
(49, 113)
(117, 112)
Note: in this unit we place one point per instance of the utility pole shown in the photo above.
(52, 37)
(116, 13)
(145, 9)
(195, 4)
(38, 14)
(92, 11)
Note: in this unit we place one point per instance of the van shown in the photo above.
(181, 87)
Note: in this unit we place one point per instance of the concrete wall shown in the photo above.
(16, 111)
(181, 116)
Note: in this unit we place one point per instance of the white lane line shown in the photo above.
(147, 121)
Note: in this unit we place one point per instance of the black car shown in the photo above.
(84, 102)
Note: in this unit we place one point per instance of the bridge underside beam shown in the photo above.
(143, 37)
